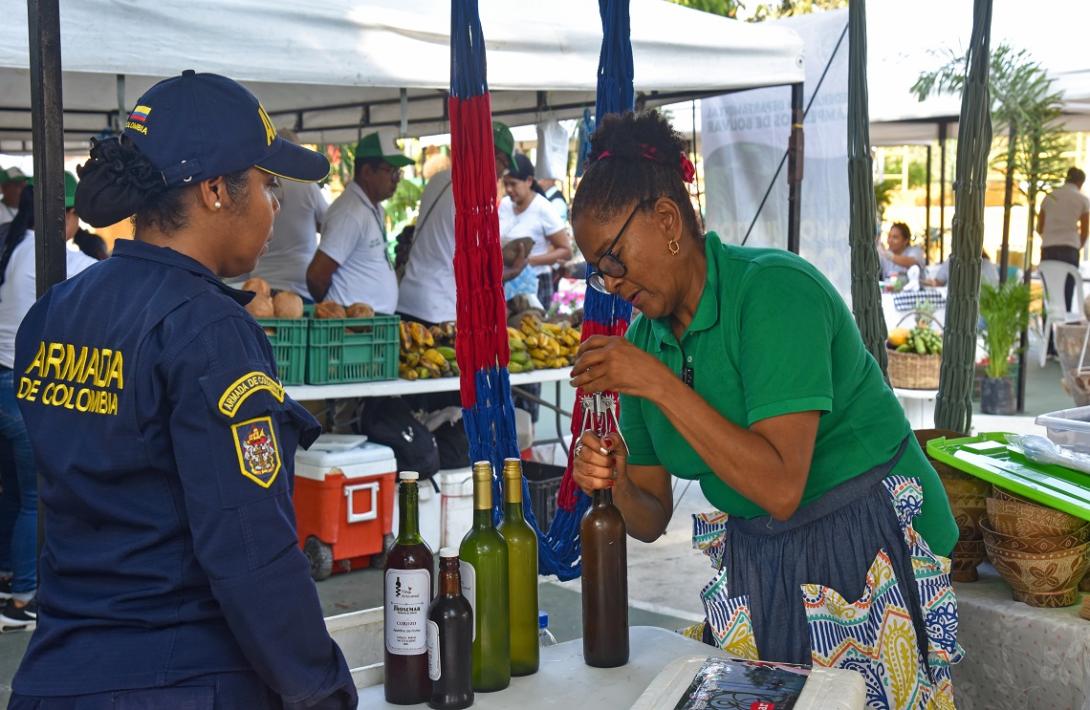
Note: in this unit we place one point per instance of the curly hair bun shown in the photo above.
(115, 183)
(638, 136)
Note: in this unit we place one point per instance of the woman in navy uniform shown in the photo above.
(171, 575)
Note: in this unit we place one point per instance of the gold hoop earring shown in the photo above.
(674, 247)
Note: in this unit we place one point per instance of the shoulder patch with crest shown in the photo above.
(257, 449)
(240, 390)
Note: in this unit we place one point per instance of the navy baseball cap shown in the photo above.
(196, 127)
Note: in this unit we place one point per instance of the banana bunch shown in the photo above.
(423, 357)
(538, 345)
(921, 341)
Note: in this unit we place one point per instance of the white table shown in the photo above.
(1018, 656)
(391, 388)
(900, 319)
(564, 681)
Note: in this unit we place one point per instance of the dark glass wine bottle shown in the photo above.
(407, 595)
(484, 584)
(522, 569)
(605, 584)
(450, 639)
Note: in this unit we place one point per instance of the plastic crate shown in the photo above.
(344, 350)
(288, 338)
(544, 482)
(1069, 428)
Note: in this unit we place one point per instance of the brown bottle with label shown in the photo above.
(407, 596)
(605, 583)
(450, 639)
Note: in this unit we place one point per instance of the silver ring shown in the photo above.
(579, 450)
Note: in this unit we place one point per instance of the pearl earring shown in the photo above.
(217, 204)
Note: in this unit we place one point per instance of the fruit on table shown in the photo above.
(360, 310)
(427, 353)
(257, 285)
(549, 345)
(920, 340)
(287, 305)
(261, 307)
(329, 309)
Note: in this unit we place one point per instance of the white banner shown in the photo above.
(744, 137)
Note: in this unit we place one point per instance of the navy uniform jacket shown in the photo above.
(166, 447)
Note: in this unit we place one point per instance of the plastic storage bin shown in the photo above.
(544, 482)
(344, 350)
(288, 337)
(1069, 428)
(344, 503)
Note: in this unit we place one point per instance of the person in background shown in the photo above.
(12, 182)
(350, 264)
(899, 255)
(427, 288)
(91, 244)
(295, 233)
(989, 274)
(526, 211)
(1064, 224)
(18, 476)
(555, 196)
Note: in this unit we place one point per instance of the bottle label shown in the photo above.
(434, 669)
(408, 594)
(469, 589)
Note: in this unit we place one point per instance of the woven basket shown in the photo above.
(911, 371)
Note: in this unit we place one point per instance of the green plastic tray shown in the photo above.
(987, 457)
(288, 338)
(344, 350)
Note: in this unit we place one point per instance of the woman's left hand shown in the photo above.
(611, 363)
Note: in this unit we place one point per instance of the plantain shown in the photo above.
(412, 358)
(431, 356)
(406, 337)
(515, 367)
(447, 352)
(423, 373)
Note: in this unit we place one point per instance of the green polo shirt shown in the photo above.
(771, 336)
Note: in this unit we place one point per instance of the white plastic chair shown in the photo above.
(1054, 279)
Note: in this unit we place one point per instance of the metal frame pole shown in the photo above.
(47, 111)
(795, 153)
(942, 191)
(927, 212)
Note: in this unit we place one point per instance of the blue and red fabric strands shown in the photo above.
(603, 314)
(482, 350)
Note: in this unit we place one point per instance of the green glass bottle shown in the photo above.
(522, 569)
(484, 584)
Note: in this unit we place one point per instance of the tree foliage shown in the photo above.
(763, 11)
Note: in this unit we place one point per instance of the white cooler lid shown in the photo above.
(353, 455)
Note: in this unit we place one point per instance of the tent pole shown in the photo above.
(794, 170)
(927, 212)
(47, 111)
(942, 191)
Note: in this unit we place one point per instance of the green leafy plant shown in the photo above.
(1005, 310)
(883, 195)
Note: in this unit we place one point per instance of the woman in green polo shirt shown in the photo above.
(746, 372)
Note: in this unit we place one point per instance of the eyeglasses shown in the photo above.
(609, 264)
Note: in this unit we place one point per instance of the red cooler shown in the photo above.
(344, 503)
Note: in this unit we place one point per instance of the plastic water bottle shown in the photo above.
(546, 636)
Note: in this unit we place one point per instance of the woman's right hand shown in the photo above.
(598, 462)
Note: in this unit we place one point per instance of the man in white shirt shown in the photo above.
(1064, 223)
(12, 182)
(351, 265)
(294, 240)
(427, 292)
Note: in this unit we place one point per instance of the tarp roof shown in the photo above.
(329, 65)
(906, 38)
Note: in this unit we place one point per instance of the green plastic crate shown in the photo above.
(288, 338)
(987, 457)
(344, 350)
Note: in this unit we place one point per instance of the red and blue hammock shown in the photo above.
(482, 312)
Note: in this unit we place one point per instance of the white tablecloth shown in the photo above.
(897, 318)
(1017, 656)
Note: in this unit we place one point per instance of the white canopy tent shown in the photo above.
(906, 38)
(335, 68)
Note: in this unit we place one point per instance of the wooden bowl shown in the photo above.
(1028, 519)
(1042, 579)
(1043, 544)
(1001, 494)
(965, 558)
(968, 510)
